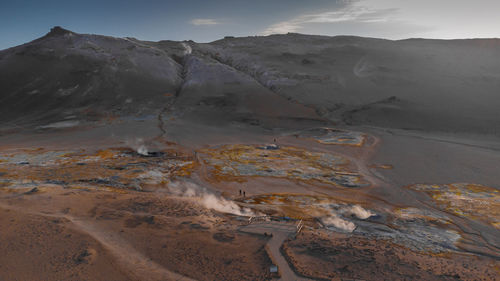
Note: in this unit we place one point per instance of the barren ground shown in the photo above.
(371, 159)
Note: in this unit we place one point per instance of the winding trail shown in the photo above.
(131, 260)
(280, 231)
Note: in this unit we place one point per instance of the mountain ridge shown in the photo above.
(69, 74)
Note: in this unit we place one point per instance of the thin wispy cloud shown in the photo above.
(355, 12)
(203, 22)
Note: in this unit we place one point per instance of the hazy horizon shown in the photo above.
(23, 21)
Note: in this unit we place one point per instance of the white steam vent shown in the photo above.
(359, 212)
(339, 223)
(143, 150)
(187, 49)
(208, 199)
(139, 146)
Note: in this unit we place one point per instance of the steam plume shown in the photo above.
(339, 223)
(143, 150)
(139, 146)
(208, 199)
(187, 49)
(359, 212)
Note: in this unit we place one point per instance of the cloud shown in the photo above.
(354, 12)
(199, 22)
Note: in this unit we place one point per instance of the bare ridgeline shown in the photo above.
(292, 157)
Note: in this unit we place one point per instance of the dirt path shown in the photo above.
(131, 260)
(280, 231)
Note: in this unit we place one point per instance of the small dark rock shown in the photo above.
(152, 154)
(307, 61)
(33, 190)
(83, 257)
(58, 182)
(223, 237)
(198, 226)
(149, 219)
(57, 31)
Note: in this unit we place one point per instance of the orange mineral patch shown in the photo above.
(236, 162)
(107, 169)
(473, 201)
(105, 154)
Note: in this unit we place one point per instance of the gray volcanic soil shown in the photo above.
(416, 84)
(65, 76)
(429, 85)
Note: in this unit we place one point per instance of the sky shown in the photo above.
(203, 20)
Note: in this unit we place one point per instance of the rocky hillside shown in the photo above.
(65, 78)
